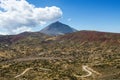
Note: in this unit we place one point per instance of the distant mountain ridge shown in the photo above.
(92, 36)
(57, 28)
(25, 35)
(65, 32)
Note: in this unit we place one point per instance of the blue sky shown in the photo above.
(101, 15)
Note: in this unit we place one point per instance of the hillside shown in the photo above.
(37, 56)
(8, 39)
(92, 36)
(12, 46)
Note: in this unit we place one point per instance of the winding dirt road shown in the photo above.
(89, 71)
(41, 58)
(35, 58)
(26, 70)
(85, 68)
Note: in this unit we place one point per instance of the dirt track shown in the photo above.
(89, 71)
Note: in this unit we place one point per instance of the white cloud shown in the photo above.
(19, 15)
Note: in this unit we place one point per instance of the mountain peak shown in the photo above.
(57, 28)
(57, 22)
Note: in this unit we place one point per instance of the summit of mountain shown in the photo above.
(57, 28)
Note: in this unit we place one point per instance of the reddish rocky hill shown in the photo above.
(91, 36)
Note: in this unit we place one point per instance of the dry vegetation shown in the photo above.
(101, 51)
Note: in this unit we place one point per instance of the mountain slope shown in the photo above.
(91, 36)
(20, 44)
(57, 28)
(13, 38)
(31, 52)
